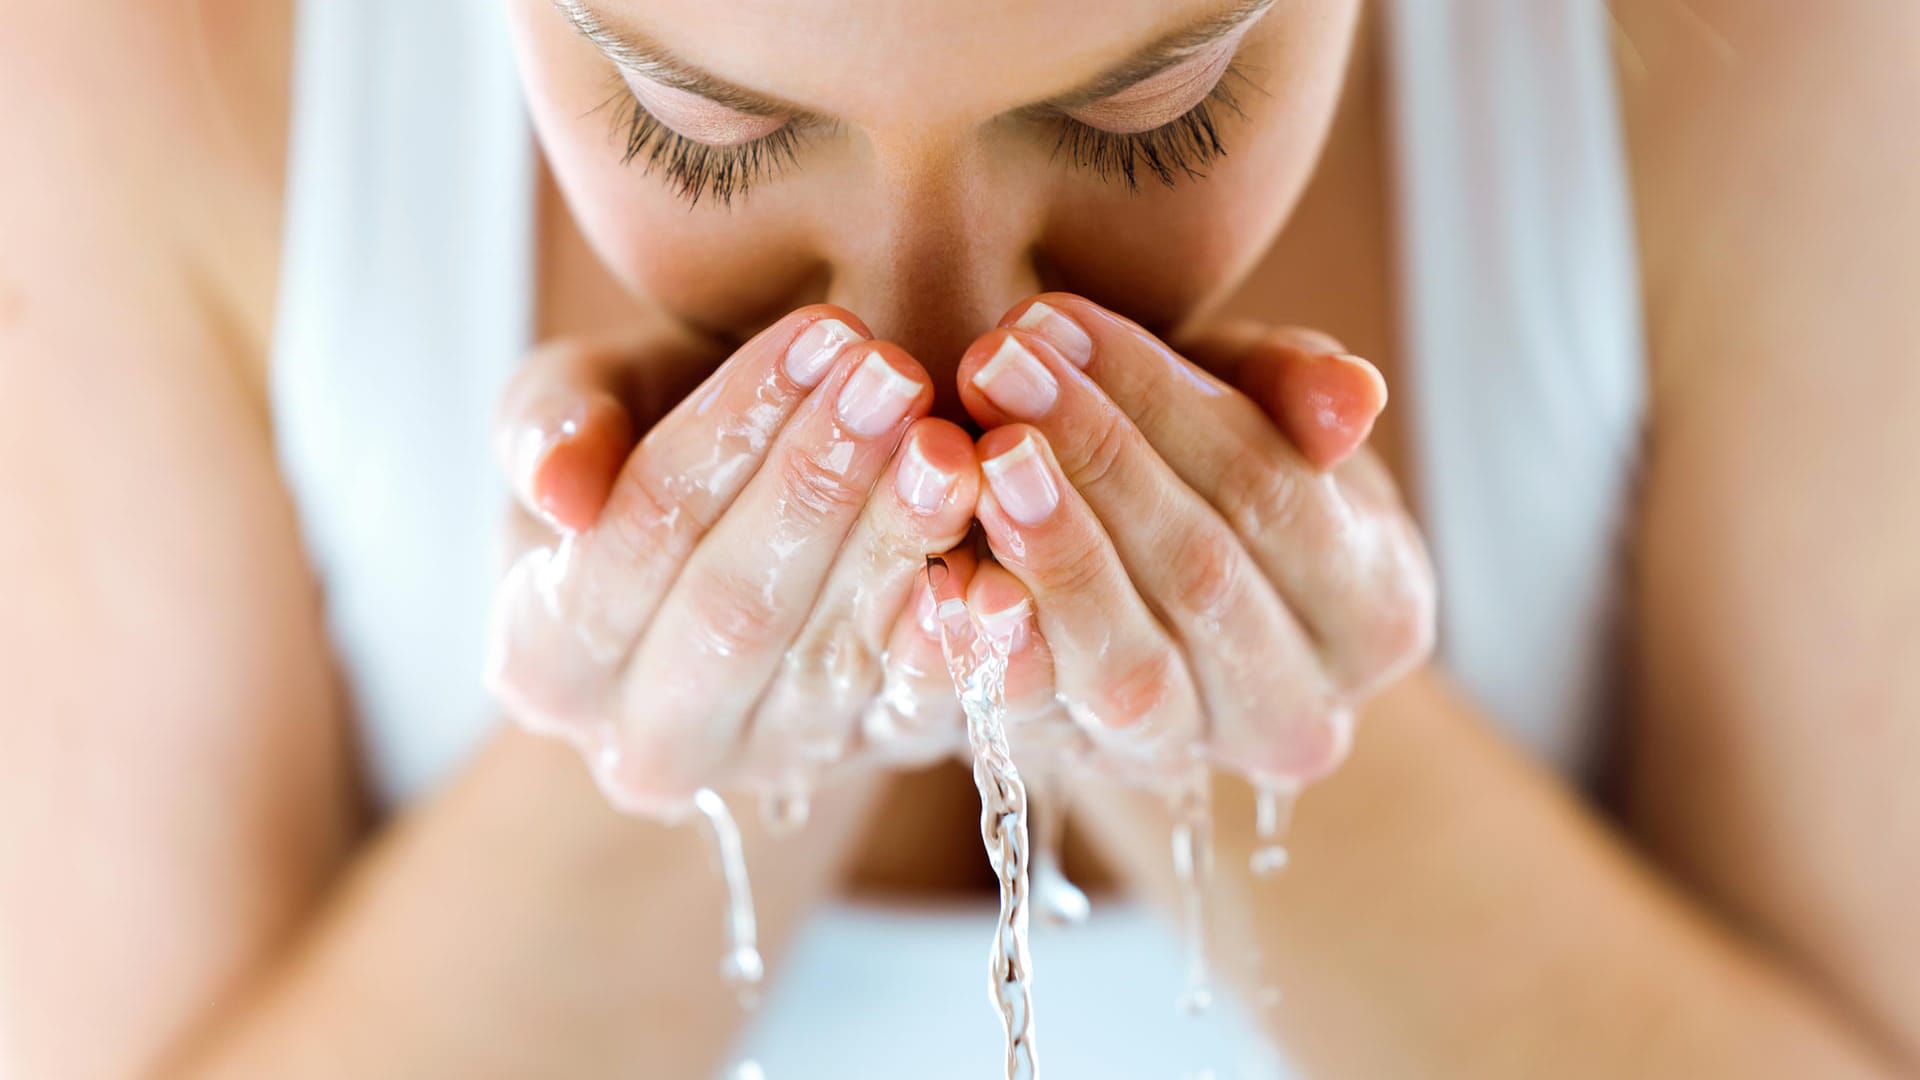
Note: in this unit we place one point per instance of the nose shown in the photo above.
(942, 254)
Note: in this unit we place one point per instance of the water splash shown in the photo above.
(1192, 839)
(742, 968)
(1273, 815)
(978, 664)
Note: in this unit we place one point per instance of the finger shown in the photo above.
(744, 592)
(1118, 672)
(534, 666)
(922, 505)
(562, 430)
(1265, 689)
(1038, 726)
(1322, 397)
(687, 470)
(915, 719)
(1341, 553)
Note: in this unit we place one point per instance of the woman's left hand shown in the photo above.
(1193, 568)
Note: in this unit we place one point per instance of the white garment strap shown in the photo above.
(404, 302)
(1525, 346)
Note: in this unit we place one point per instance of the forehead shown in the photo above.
(876, 61)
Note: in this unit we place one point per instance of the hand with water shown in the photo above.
(712, 606)
(1193, 565)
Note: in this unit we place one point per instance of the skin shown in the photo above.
(206, 899)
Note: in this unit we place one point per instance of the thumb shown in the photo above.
(1323, 398)
(562, 431)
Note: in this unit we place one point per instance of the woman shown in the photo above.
(256, 828)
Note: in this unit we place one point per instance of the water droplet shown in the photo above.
(1273, 815)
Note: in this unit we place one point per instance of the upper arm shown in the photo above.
(1777, 644)
(169, 732)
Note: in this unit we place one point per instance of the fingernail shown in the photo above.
(534, 447)
(1017, 381)
(1060, 331)
(920, 485)
(875, 397)
(813, 352)
(1009, 626)
(1021, 483)
(955, 626)
(1366, 370)
(534, 444)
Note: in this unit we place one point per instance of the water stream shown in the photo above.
(742, 968)
(1192, 837)
(978, 664)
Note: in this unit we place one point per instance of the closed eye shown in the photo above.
(696, 169)
(1183, 147)
(1158, 113)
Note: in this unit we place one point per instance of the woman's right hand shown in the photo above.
(740, 597)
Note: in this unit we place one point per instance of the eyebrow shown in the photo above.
(650, 60)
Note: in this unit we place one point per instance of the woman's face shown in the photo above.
(927, 163)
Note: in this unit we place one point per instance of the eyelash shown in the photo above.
(1184, 146)
(696, 170)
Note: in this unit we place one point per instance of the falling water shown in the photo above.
(742, 967)
(1192, 803)
(978, 664)
(1273, 814)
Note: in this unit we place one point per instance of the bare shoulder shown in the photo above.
(147, 132)
(177, 768)
(1774, 685)
(1768, 137)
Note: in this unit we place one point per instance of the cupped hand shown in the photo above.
(1196, 567)
(731, 600)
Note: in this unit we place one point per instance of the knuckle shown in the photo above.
(1098, 452)
(833, 665)
(1133, 692)
(900, 545)
(1073, 565)
(818, 488)
(1208, 574)
(1258, 497)
(652, 516)
(733, 616)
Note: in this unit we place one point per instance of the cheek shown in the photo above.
(1185, 249)
(1182, 250)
